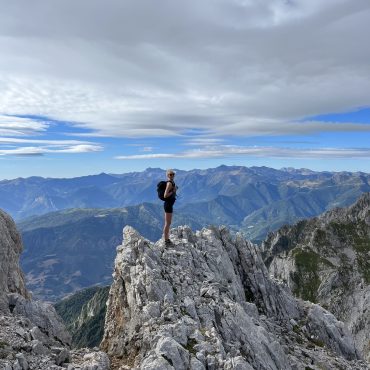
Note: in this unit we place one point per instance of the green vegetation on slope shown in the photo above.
(87, 330)
(70, 307)
(307, 277)
(355, 235)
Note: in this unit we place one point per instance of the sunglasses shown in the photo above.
(171, 174)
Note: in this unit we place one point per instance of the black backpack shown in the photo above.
(161, 187)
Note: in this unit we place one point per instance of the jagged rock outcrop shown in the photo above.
(11, 276)
(207, 302)
(32, 335)
(23, 346)
(327, 260)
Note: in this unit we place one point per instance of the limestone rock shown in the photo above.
(25, 353)
(327, 329)
(41, 314)
(326, 260)
(32, 336)
(11, 276)
(207, 302)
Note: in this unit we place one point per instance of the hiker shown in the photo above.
(169, 200)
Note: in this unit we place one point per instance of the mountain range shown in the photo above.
(226, 194)
(70, 249)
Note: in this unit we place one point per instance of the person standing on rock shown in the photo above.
(169, 200)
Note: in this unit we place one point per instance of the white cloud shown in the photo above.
(40, 150)
(11, 140)
(234, 67)
(20, 126)
(25, 129)
(81, 148)
(224, 151)
(196, 141)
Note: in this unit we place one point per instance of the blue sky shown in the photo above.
(121, 86)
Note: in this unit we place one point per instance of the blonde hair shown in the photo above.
(170, 170)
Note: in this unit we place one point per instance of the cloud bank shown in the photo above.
(159, 69)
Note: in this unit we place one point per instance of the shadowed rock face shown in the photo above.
(11, 276)
(327, 260)
(207, 302)
(32, 335)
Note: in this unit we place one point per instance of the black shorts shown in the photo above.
(168, 205)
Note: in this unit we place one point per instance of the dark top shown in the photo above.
(172, 197)
(169, 201)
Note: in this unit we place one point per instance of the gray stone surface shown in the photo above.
(25, 353)
(340, 242)
(326, 328)
(43, 315)
(207, 302)
(11, 276)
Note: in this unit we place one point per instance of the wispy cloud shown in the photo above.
(196, 141)
(12, 140)
(225, 151)
(21, 126)
(19, 137)
(40, 150)
(17, 133)
(147, 149)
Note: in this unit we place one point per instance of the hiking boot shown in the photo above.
(168, 242)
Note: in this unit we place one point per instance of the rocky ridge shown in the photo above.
(207, 302)
(32, 335)
(70, 250)
(327, 260)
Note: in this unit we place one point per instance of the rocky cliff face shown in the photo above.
(11, 276)
(327, 260)
(207, 302)
(32, 335)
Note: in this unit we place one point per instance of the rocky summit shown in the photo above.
(32, 335)
(327, 260)
(208, 302)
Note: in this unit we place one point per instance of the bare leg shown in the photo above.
(167, 224)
